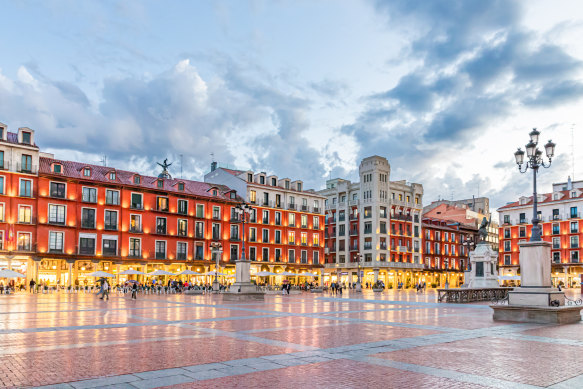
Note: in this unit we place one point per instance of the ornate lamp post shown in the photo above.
(358, 258)
(243, 212)
(534, 161)
(217, 248)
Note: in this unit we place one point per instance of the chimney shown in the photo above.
(213, 166)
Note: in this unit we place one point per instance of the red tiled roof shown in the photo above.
(232, 171)
(548, 198)
(101, 174)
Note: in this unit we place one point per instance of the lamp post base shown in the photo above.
(243, 285)
(358, 287)
(216, 287)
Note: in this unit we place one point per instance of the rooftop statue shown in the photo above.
(483, 231)
(165, 165)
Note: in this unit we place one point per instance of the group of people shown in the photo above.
(336, 288)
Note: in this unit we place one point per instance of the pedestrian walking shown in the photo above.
(105, 288)
(135, 291)
(32, 284)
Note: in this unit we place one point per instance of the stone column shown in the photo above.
(70, 263)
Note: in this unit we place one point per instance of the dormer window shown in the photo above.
(233, 195)
(136, 179)
(86, 172)
(214, 192)
(112, 176)
(160, 184)
(26, 137)
(249, 177)
(556, 196)
(1, 132)
(299, 187)
(57, 169)
(262, 180)
(573, 194)
(273, 182)
(286, 184)
(181, 186)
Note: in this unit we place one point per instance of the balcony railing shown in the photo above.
(26, 168)
(353, 232)
(291, 206)
(109, 253)
(160, 255)
(137, 206)
(181, 256)
(353, 247)
(136, 230)
(352, 217)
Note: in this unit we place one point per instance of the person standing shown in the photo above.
(105, 288)
(32, 284)
(135, 291)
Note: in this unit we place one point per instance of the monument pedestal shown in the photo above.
(243, 288)
(536, 301)
(483, 272)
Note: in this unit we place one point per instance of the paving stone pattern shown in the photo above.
(394, 339)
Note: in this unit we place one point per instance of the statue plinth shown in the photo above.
(243, 286)
(483, 272)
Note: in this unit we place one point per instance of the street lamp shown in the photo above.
(468, 243)
(534, 161)
(217, 248)
(358, 258)
(243, 212)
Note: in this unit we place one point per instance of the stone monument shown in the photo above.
(483, 261)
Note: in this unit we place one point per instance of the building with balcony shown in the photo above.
(376, 221)
(61, 220)
(286, 227)
(560, 213)
(446, 247)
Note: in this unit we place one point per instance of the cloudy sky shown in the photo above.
(446, 90)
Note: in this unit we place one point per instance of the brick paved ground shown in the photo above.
(389, 340)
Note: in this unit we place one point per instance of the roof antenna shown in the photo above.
(103, 160)
(181, 166)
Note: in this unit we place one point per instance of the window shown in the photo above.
(383, 228)
(278, 237)
(216, 212)
(266, 199)
(265, 217)
(55, 242)
(24, 241)
(316, 222)
(252, 234)
(522, 232)
(182, 227)
(1, 212)
(291, 237)
(26, 163)
(87, 218)
(316, 240)
(522, 218)
(574, 227)
(507, 245)
(304, 256)
(556, 214)
(180, 186)
(304, 238)
(26, 137)
(575, 256)
(234, 232)
(90, 195)
(249, 177)
(160, 184)
(160, 249)
(109, 247)
(292, 219)
(556, 243)
(557, 256)
(58, 190)
(110, 220)
(368, 228)
(112, 176)
(56, 214)
(135, 247)
(25, 188)
(234, 252)
(252, 254)
(86, 172)
(216, 231)
(278, 218)
(574, 242)
(506, 219)
(86, 245)
(111, 197)
(262, 180)
(573, 212)
(137, 180)
(556, 229)
(181, 250)
(162, 204)
(265, 237)
(265, 254)
(199, 230)
(183, 207)
(136, 201)
(252, 196)
(367, 212)
(1, 185)
(161, 225)
(304, 221)
(24, 214)
(57, 169)
(135, 223)
(1, 152)
(291, 256)
(199, 252)
(199, 210)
